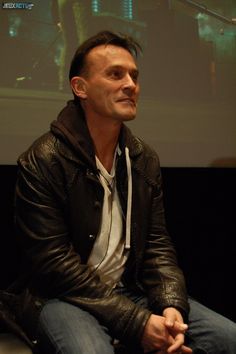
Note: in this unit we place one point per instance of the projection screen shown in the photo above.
(187, 106)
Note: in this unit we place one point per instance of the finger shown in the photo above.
(183, 326)
(177, 344)
(170, 322)
(183, 350)
(186, 350)
(170, 318)
(179, 327)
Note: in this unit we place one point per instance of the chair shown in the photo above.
(11, 344)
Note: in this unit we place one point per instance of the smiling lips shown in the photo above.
(128, 100)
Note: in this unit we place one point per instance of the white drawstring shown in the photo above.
(129, 199)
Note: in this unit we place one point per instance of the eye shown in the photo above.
(134, 76)
(116, 74)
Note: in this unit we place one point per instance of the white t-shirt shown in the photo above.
(108, 255)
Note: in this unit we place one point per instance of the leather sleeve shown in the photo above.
(161, 275)
(54, 268)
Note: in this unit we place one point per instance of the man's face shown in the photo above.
(111, 83)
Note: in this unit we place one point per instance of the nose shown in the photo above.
(129, 83)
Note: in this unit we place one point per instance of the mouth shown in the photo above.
(128, 100)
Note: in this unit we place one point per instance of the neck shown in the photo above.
(105, 138)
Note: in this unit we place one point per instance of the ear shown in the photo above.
(78, 85)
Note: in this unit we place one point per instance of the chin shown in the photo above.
(126, 116)
(131, 117)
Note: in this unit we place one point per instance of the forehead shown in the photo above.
(105, 55)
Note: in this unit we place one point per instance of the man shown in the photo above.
(90, 219)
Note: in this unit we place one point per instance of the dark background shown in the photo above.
(200, 209)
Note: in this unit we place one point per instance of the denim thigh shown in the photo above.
(209, 332)
(66, 329)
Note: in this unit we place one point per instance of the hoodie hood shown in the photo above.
(72, 128)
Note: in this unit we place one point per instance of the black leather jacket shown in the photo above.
(58, 213)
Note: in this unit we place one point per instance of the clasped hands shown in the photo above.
(165, 334)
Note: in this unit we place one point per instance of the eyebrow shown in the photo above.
(117, 66)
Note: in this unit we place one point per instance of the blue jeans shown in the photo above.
(67, 329)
